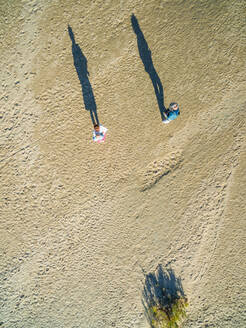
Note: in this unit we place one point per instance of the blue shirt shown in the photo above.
(172, 115)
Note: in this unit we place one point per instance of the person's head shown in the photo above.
(96, 127)
(173, 106)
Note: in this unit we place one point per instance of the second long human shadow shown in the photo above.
(80, 64)
(145, 55)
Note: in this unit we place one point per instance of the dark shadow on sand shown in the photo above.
(80, 63)
(159, 288)
(145, 55)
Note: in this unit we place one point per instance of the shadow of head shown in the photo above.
(135, 24)
(161, 287)
(70, 32)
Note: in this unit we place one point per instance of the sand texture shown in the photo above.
(83, 224)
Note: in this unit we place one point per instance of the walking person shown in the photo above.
(99, 133)
(171, 113)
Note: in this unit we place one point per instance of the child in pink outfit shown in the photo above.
(99, 133)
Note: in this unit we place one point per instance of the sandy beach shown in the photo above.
(83, 224)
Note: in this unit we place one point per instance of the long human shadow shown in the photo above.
(145, 55)
(160, 288)
(80, 63)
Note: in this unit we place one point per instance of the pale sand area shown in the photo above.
(81, 222)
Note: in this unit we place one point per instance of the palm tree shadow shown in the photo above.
(145, 55)
(159, 289)
(80, 63)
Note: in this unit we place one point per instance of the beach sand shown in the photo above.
(83, 223)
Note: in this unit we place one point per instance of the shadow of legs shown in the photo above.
(94, 117)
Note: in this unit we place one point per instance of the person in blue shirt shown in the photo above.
(171, 113)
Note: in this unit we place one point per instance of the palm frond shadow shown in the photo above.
(161, 289)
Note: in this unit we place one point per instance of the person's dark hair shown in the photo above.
(96, 126)
(172, 105)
